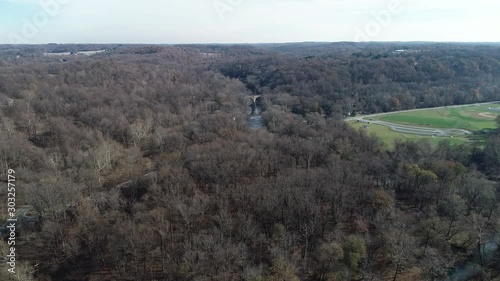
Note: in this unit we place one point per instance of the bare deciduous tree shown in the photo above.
(140, 130)
(102, 157)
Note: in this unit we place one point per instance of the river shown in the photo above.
(472, 266)
(255, 119)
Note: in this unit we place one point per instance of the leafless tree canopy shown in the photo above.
(139, 164)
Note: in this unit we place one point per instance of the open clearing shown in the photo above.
(487, 115)
(458, 124)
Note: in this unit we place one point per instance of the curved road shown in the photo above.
(416, 130)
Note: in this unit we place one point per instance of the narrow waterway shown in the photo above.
(472, 266)
(255, 119)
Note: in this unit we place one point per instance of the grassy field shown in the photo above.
(474, 118)
(388, 137)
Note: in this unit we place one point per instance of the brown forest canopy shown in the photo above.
(138, 163)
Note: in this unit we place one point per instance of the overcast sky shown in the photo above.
(246, 21)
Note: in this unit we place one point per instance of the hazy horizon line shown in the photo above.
(255, 43)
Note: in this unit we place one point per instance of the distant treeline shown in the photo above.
(369, 78)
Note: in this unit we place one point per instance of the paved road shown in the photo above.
(21, 212)
(22, 218)
(416, 130)
(418, 109)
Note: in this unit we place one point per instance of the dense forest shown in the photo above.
(138, 163)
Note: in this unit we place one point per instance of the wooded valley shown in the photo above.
(138, 163)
